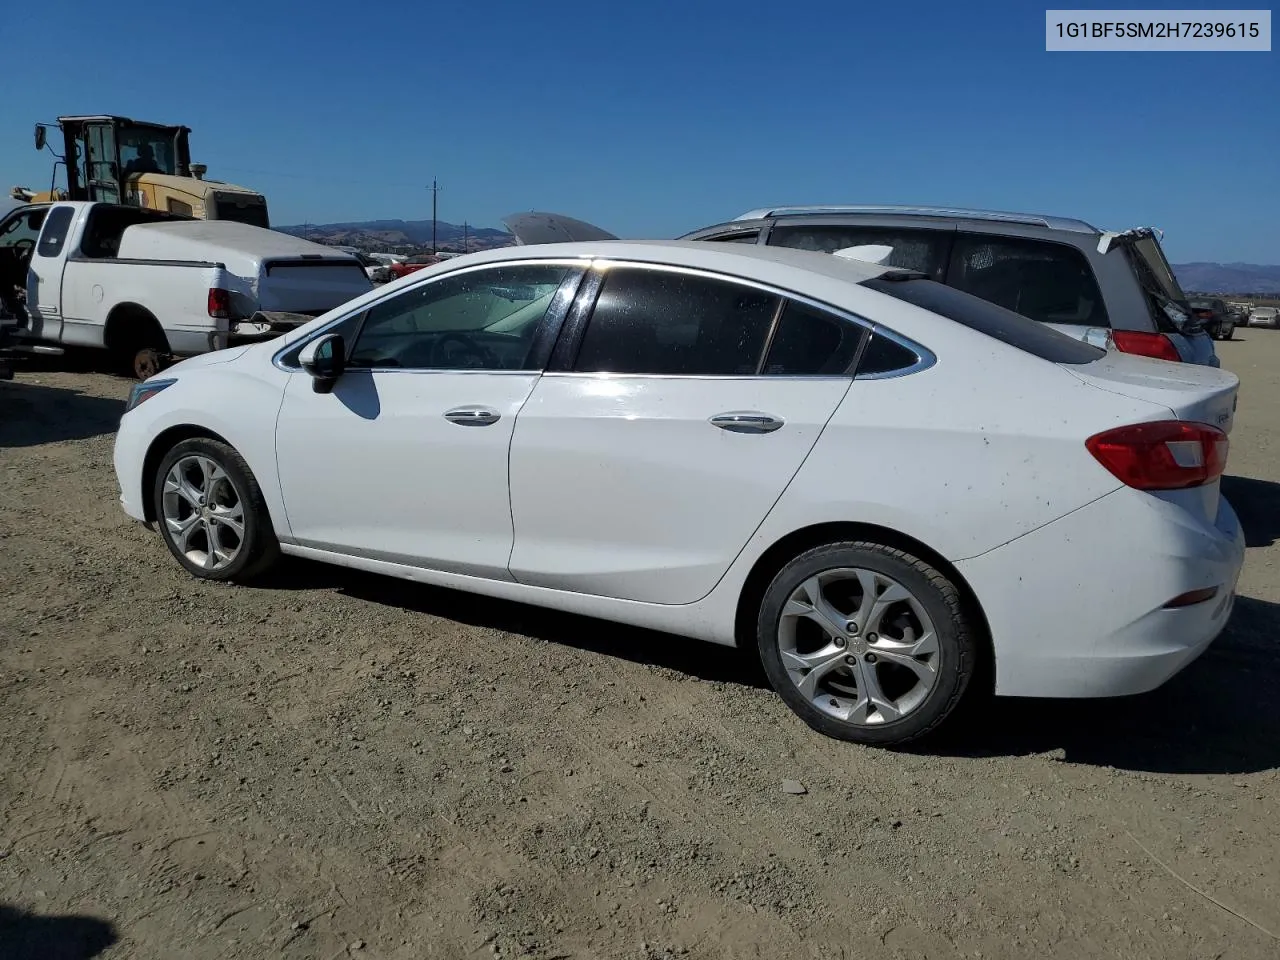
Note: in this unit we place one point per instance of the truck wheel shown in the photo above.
(147, 362)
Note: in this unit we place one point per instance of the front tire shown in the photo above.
(211, 512)
(866, 642)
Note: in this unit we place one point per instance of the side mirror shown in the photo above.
(324, 358)
(40, 136)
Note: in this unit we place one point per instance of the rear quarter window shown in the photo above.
(990, 319)
(53, 237)
(1049, 282)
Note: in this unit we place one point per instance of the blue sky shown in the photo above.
(651, 119)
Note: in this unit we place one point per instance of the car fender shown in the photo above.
(235, 405)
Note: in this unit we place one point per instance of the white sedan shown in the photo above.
(888, 487)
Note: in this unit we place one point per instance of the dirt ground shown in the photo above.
(335, 764)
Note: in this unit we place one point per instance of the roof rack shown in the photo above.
(1033, 219)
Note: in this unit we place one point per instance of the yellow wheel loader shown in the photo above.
(119, 160)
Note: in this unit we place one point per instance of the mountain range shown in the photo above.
(1228, 277)
(377, 234)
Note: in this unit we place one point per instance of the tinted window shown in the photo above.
(662, 322)
(484, 319)
(54, 236)
(885, 356)
(812, 342)
(1050, 282)
(995, 321)
(751, 237)
(922, 250)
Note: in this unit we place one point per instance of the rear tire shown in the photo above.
(146, 362)
(866, 642)
(211, 512)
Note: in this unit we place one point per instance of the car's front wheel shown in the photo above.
(212, 513)
(866, 642)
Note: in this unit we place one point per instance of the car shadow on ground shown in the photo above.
(29, 936)
(1220, 715)
(706, 661)
(32, 414)
(1257, 504)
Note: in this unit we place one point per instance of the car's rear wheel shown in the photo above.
(212, 514)
(866, 642)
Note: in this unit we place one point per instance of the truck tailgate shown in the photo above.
(310, 285)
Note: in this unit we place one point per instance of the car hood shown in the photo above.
(535, 227)
(204, 360)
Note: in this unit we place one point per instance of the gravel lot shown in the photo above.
(337, 765)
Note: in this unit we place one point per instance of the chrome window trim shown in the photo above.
(278, 363)
(760, 377)
(925, 358)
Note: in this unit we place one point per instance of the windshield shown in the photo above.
(146, 150)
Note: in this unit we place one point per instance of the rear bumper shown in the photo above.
(1077, 608)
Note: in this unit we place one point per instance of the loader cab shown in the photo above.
(104, 156)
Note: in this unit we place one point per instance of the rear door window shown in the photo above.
(912, 249)
(665, 323)
(810, 342)
(1049, 282)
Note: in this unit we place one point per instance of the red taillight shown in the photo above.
(1166, 455)
(219, 303)
(1145, 344)
(1203, 314)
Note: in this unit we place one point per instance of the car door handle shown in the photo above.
(472, 416)
(746, 421)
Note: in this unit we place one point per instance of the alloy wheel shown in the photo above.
(203, 512)
(859, 646)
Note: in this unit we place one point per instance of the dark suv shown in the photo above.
(1105, 288)
(1215, 315)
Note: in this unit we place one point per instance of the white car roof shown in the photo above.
(742, 259)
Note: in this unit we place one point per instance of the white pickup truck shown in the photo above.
(148, 286)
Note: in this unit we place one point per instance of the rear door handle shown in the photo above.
(472, 416)
(747, 421)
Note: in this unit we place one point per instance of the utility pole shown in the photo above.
(435, 189)
(465, 245)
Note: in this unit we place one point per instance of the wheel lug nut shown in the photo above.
(851, 628)
(872, 638)
(871, 658)
(839, 642)
(851, 660)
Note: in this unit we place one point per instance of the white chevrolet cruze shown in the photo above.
(886, 485)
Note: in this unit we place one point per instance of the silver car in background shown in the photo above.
(1102, 287)
(1264, 317)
